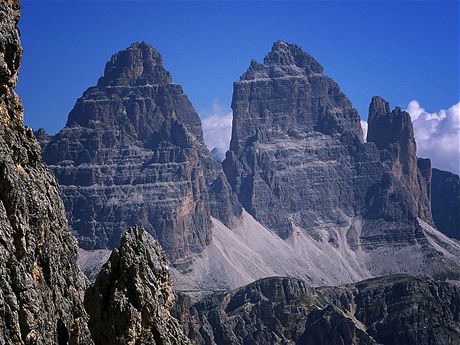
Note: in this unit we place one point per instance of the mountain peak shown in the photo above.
(139, 64)
(291, 54)
(284, 59)
(378, 107)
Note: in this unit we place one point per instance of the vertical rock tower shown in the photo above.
(393, 134)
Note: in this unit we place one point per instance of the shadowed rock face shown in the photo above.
(287, 95)
(131, 299)
(393, 134)
(286, 146)
(445, 202)
(41, 286)
(132, 153)
(297, 159)
(390, 310)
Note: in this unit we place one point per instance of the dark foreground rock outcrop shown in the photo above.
(132, 153)
(41, 286)
(393, 310)
(445, 202)
(131, 299)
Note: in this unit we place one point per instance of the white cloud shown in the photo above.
(217, 129)
(437, 135)
(364, 127)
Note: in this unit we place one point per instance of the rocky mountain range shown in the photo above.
(299, 194)
(397, 310)
(342, 209)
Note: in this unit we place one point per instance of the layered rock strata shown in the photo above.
(286, 143)
(132, 153)
(297, 162)
(321, 205)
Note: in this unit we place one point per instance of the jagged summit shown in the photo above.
(283, 60)
(135, 285)
(291, 54)
(140, 64)
(288, 95)
(387, 127)
(125, 76)
(378, 107)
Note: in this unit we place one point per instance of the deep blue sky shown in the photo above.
(399, 50)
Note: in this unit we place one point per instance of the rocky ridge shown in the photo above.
(132, 153)
(131, 299)
(288, 311)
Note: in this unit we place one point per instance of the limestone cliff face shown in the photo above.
(393, 134)
(403, 194)
(287, 95)
(287, 311)
(298, 164)
(132, 153)
(445, 202)
(297, 159)
(131, 299)
(41, 286)
(286, 147)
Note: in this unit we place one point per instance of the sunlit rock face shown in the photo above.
(132, 153)
(131, 299)
(41, 286)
